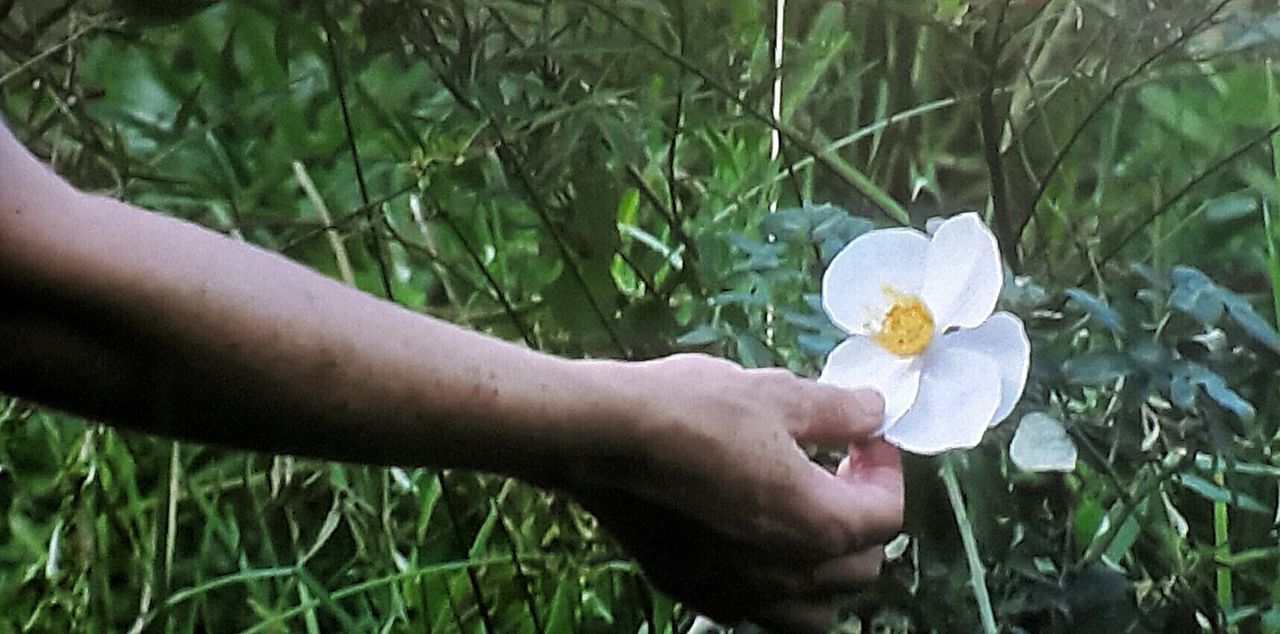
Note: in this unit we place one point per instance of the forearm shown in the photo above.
(156, 324)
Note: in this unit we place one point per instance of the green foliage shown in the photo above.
(594, 178)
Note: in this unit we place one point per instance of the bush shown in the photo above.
(600, 178)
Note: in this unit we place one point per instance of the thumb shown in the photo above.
(838, 415)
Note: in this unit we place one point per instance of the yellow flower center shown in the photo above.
(907, 327)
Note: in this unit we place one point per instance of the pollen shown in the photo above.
(907, 327)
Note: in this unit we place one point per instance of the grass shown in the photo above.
(477, 163)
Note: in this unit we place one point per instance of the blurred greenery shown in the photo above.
(596, 178)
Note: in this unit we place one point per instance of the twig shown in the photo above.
(375, 242)
(525, 333)
(322, 210)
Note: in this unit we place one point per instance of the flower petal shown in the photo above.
(959, 392)
(853, 288)
(963, 273)
(859, 361)
(1004, 340)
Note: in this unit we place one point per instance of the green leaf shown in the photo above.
(1215, 493)
(1096, 369)
(816, 344)
(1196, 295)
(701, 336)
(1253, 324)
(1097, 309)
(1234, 206)
(486, 529)
(752, 352)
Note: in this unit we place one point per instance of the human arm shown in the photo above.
(155, 324)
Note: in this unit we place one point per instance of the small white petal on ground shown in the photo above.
(1041, 444)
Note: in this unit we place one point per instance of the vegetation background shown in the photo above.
(599, 177)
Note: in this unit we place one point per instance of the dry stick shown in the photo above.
(375, 241)
(338, 224)
(775, 137)
(322, 210)
(845, 141)
(445, 269)
(71, 39)
(1191, 30)
(430, 246)
(1018, 103)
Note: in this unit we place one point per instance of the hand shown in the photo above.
(726, 512)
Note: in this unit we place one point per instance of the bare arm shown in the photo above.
(149, 322)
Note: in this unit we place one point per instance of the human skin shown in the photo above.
(693, 463)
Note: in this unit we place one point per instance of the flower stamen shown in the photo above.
(907, 327)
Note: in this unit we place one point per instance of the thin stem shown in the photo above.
(375, 243)
(512, 161)
(322, 210)
(977, 574)
(1222, 550)
(1268, 223)
(525, 332)
(992, 124)
(677, 119)
(669, 214)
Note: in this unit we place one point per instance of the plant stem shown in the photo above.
(977, 574)
(1273, 250)
(1222, 551)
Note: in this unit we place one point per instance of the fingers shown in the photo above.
(862, 501)
(799, 615)
(873, 462)
(843, 573)
(831, 414)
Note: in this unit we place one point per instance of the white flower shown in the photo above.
(918, 310)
